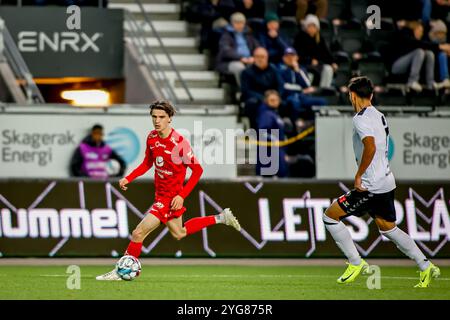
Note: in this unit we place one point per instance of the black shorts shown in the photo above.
(355, 203)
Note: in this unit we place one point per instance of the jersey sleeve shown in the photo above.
(363, 126)
(146, 164)
(189, 160)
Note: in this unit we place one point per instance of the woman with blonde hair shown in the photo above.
(314, 52)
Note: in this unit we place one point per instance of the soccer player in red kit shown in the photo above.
(171, 154)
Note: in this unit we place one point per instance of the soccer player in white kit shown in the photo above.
(373, 191)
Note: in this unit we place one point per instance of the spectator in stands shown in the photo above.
(211, 14)
(235, 47)
(304, 7)
(272, 40)
(268, 119)
(409, 53)
(297, 87)
(92, 156)
(314, 52)
(251, 8)
(438, 34)
(257, 79)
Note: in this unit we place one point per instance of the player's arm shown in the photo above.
(367, 136)
(146, 164)
(366, 159)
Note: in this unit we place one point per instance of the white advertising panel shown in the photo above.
(419, 148)
(41, 145)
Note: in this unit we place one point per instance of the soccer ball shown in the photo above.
(128, 268)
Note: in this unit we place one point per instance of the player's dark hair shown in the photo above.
(97, 127)
(362, 86)
(163, 105)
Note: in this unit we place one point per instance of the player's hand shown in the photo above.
(358, 184)
(123, 184)
(177, 203)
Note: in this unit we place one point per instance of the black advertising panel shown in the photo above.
(51, 49)
(278, 219)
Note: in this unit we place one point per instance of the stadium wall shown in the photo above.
(66, 218)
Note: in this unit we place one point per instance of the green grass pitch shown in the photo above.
(217, 282)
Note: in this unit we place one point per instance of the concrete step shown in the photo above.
(173, 45)
(159, 11)
(193, 79)
(163, 27)
(185, 62)
(148, 7)
(202, 95)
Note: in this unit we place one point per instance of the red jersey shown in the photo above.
(171, 156)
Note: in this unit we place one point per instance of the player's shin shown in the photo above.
(343, 239)
(196, 224)
(134, 249)
(407, 245)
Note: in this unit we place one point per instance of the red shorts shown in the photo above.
(161, 210)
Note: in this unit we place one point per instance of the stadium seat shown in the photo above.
(390, 97)
(289, 28)
(343, 75)
(338, 9)
(330, 94)
(375, 70)
(286, 8)
(358, 9)
(424, 98)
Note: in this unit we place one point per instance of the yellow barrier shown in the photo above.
(289, 141)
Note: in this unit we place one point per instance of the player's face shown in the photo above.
(97, 135)
(273, 101)
(160, 119)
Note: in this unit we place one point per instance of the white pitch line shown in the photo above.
(248, 276)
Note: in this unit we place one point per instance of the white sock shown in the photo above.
(220, 218)
(343, 239)
(407, 245)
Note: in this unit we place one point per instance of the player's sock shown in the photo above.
(134, 249)
(407, 245)
(220, 218)
(343, 239)
(196, 224)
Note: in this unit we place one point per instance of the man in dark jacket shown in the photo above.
(272, 40)
(256, 80)
(297, 87)
(92, 155)
(235, 47)
(209, 13)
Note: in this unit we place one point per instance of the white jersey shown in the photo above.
(378, 177)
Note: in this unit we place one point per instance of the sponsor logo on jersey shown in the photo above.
(159, 144)
(159, 161)
(164, 171)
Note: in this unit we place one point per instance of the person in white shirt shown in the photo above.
(373, 191)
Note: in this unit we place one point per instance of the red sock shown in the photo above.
(197, 224)
(134, 249)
